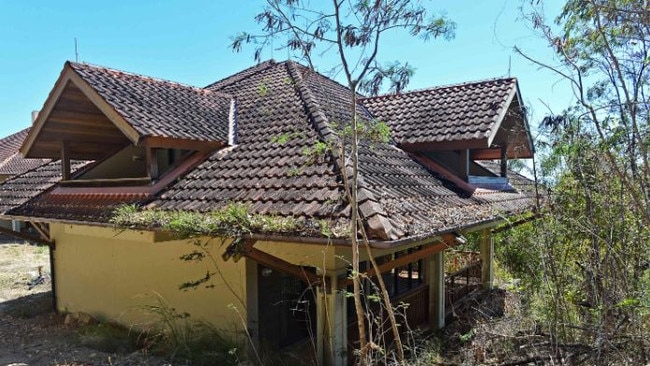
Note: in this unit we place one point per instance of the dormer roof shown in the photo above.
(97, 110)
(476, 115)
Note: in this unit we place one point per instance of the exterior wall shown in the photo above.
(112, 274)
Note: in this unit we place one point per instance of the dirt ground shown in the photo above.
(31, 333)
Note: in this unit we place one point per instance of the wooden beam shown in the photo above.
(447, 242)
(152, 163)
(487, 259)
(42, 229)
(450, 176)
(276, 263)
(65, 161)
(102, 182)
(463, 164)
(510, 225)
(485, 154)
(81, 118)
(27, 237)
(54, 127)
(480, 143)
(504, 161)
(176, 143)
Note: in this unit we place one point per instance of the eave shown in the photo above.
(71, 110)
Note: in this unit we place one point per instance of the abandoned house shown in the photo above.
(115, 138)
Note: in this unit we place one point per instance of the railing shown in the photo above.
(462, 282)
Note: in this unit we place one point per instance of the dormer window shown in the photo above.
(461, 164)
(452, 129)
(131, 166)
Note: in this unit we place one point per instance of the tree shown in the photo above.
(353, 30)
(596, 232)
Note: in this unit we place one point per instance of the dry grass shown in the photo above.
(19, 264)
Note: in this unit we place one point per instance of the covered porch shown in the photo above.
(321, 318)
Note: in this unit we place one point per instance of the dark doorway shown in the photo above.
(287, 310)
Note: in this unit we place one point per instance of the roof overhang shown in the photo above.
(511, 130)
(79, 117)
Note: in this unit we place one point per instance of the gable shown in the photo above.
(96, 111)
(484, 115)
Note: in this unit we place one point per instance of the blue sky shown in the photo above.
(187, 41)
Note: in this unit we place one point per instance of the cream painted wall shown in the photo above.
(112, 274)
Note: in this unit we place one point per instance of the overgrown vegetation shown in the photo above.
(231, 221)
(585, 265)
(183, 339)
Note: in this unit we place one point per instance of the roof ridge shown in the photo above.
(369, 206)
(314, 109)
(76, 65)
(439, 87)
(241, 75)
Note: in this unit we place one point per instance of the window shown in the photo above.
(131, 166)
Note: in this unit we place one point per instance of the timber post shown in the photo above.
(435, 273)
(487, 259)
(332, 325)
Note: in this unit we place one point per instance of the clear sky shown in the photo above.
(187, 41)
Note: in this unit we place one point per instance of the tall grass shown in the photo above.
(183, 339)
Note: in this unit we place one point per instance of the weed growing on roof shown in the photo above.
(317, 151)
(372, 130)
(263, 88)
(283, 138)
(232, 221)
(294, 172)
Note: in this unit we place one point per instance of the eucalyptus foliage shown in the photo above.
(595, 238)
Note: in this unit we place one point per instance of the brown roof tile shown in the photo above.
(283, 109)
(12, 161)
(268, 169)
(448, 113)
(20, 189)
(161, 108)
(82, 207)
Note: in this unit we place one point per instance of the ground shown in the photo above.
(32, 334)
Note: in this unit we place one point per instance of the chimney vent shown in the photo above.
(34, 116)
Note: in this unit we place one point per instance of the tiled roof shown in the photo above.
(161, 108)
(11, 161)
(21, 189)
(269, 169)
(81, 207)
(10, 144)
(459, 112)
(399, 197)
(283, 110)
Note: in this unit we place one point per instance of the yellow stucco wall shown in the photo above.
(112, 274)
